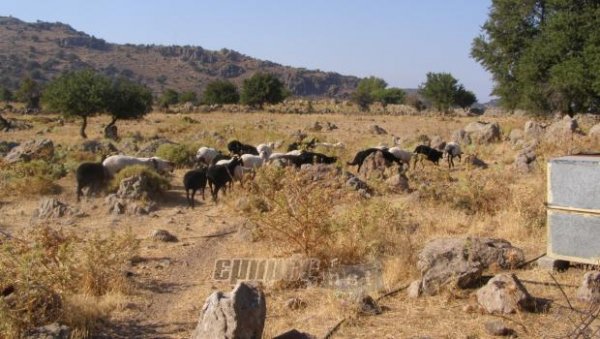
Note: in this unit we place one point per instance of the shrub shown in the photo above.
(156, 182)
(31, 178)
(181, 155)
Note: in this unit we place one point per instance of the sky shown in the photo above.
(399, 41)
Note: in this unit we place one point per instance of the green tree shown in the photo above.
(6, 94)
(544, 55)
(168, 98)
(220, 92)
(29, 93)
(390, 96)
(188, 96)
(464, 98)
(79, 93)
(127, 100)
(440, 90)
(262, 88)
(367, 91)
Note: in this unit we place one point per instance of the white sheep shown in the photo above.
(206, 154)
(452, 150)
(265, 148)
(401, 154)
(251, 161)
(294, 152)
(115, 163)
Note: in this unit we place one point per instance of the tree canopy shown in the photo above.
(29, 92)
(128, 100)
(373, 89)
(444, 92)
(544, 55)
(220, 92)
(262, 88)
(168, 98)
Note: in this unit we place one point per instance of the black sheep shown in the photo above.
(90, 174)
(237, 148)
(316, 158)
(194, 180)
(219, 156)
(360, 157)
(432, 154)
(219, 175)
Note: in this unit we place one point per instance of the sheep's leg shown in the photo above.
(193, 202)
(187, 196)
(203, 188)
(216, 193)
(79, 193)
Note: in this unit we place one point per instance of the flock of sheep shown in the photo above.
(218, 169)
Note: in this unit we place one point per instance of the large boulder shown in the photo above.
(504, 294)
(461, 137)
(534, 129)
(595, 132)
(51, 208)
(460, 261)
(589, 291)
(525, 160)
(239, 314)
(149, 150)
(483, 132)
(562, 129)
(516, 136)
(437, 142)
(31, 150)
(374, 166)
(398, 183)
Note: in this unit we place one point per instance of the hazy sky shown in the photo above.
(397, 40)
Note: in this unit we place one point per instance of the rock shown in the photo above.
(376, 129)
(504, 294)
(437, 142)
(111, 132)
(355, 183)
(414, 289)
(498, 328)
(316, 127)
(368, 306)
(589, 291)
(163, 235)
(238, 314)
(516, 136)
(562, 129)
(480, 132)
(525, 160)
(295, 303)
(460, 261)
(398, 183)
(137, 187)
(374, 166)
(31, 150)
(461, 137)
(98, 146)
(51, 331)
(6, 147)
(534, 129)
(471, 160)
(329, 126)
(319, 171)
(50, 208)
(295, 334)
(149, 149)
(594, 132)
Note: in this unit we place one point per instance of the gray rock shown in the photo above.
(504, 294)
(398, 183)
(471, 160)
(516, 136)
(376, 129)
(6, 147)
(460, 261)
(480, 132)
(562, 129)
(595, 132)
(150, 148)
(525, 160)
(368, 306)
(589, 291)
(51, 331)
(51, 208)
(374, 166)
(414, 289)
(95, 146)
(295, 334)
(461, 137)
(498, 328)
(295, 303)
(31, 150)
(534, 130)
(437, 142)
(238, 314)
(163, 235)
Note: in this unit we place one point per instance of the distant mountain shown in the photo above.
(43, 50)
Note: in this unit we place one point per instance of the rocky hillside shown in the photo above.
(43, 50)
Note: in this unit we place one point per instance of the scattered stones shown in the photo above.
(504, 294)
(295, 334)
(51, 208)
(51, 331)
(376, 129)
(589, 291)
(480, 132)
(98, 146)
(534, 129)
(30, 150)
(238, 314)
(525, 160)
(414, 289)
(498, 328)
(295, 303)
(163, 235)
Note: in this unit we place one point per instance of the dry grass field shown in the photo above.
(167, 283)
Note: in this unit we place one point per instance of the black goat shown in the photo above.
(360, 157)
(218, 157)
(316, 158)
(431, 154)
(236, 147)
(91, 174)
(194, 180)
(219, 175)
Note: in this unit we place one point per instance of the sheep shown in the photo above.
(360, 157)
(206, 155)
(238, 171)
(430, 154)
(316, 158)
(219, 175)
(452, 150)
(115, 163)
(219, 157)
(237, 148)
(90, 174)
(401, 154)
(194, 180)
(265, 148)
(294, 152)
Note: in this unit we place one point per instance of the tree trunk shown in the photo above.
(5, 123)
(110, 131)
(83, 126)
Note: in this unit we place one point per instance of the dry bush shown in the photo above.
(156, 182)
(180, 155)
(38, 276)
(31, 178)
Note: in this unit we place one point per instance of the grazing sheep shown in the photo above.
(316, 158)
(206, 155)
(90, 174)
(237, 148)
(452, 150)
(294, 152)
(430, 154)
(115, 163)
(238, 171)
(219, 175)
(219, 157)
(401, 154)
(265, 148)
(194, 180)
(360, 157)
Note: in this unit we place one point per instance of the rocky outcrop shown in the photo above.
(589, 291)
(504, 294)
(562, 129)
(525, 160)
(51, 208)
(480, 132)
(31, 150)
